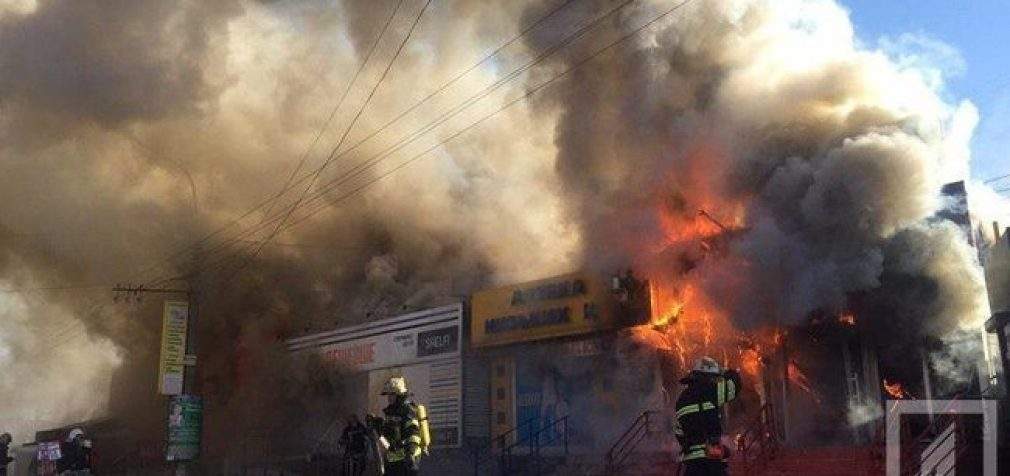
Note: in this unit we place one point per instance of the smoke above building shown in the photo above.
(130, 130)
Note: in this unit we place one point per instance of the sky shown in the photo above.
(977, 30)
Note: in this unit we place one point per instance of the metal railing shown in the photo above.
(506, 438)
(501, 456)
(759, 442)
(627, 442)
(491, 454)
(546, 435)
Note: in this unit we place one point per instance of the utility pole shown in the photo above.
(190, 381)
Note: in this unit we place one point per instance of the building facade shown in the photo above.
(559, 360)
(423, 346)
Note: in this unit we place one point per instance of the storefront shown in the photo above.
(423, 347)
(559, 348)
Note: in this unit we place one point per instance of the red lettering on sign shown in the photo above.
(357, 355)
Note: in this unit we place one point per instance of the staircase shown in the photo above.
(541, 451)
(636, 451)
(631, 454)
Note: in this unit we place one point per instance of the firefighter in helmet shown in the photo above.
(399, 430)
(698, 423)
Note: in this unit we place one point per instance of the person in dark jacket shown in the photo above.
(399, 430)
(75, 455)
(698, 424)
(354, 439)
(5, 459)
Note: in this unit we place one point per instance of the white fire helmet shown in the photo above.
(395, 386)
(707, 365)
(74, 434)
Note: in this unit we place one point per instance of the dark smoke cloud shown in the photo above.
(832, 177)
(828, 156)
(130, 129)
(110, 62)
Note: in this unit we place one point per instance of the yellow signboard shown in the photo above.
(570, 304)
(173, 347)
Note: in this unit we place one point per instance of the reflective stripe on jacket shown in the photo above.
(698, 419)
(403, 431)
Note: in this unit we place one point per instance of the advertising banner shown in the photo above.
(185, 420)
(428, 335)
(564, 305)
(173, 347)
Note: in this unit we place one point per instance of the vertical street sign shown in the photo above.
(185, 421)
(173, 347)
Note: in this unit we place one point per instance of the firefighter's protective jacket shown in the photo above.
(402, 430)
(699, 416)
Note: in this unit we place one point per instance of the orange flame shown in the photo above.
(847, 318)
(750, 361)
(896, 390)
(694, 216)
(798, 378)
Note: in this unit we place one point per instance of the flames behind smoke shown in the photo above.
(824, 159)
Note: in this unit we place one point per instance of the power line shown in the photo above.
(444, 117)
(553, 80)
(333, 153)
(511, 103)
(413, 107)
(271, 201)
(350, 126)
(333, 112)
(315, 174)
(441, 119)
(995, 179)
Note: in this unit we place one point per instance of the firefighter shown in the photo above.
(399, 430)
(354, 439)
(698, 423)
(75, 455)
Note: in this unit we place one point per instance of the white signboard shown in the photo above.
(423, 336)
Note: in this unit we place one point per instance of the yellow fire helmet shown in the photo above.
(395, 386)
